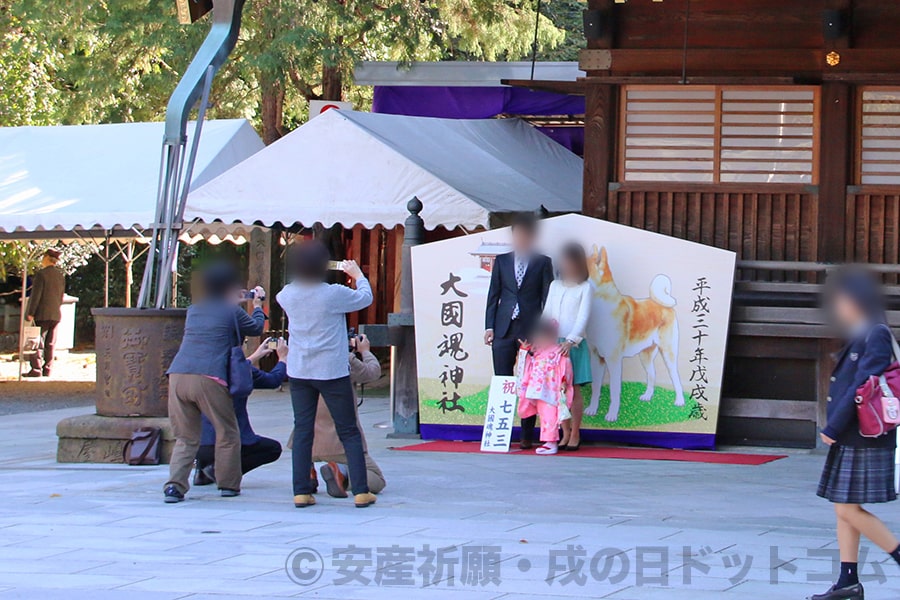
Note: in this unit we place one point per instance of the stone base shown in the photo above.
(97, 439)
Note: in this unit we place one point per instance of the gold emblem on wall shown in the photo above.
(833, 59)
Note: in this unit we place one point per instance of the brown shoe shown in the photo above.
(304, 500)
(335, 482)
(364, 500)
(314, 479)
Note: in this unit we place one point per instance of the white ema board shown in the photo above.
(656, 335)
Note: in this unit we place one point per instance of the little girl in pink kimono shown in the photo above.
(544, 376)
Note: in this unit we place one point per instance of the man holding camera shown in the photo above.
(256, 450)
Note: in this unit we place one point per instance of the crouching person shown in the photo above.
(256, 450)
(327, 447)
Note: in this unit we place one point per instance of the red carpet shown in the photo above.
(722, 458)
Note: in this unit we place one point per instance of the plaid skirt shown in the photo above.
(858, 475)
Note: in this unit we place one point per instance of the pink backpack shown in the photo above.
(877, 405)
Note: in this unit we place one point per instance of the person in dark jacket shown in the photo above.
(520, 281)
(44, 308)
(256, 450)
(198, 379)
(859, 470)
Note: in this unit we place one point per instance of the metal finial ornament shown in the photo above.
(833, 59)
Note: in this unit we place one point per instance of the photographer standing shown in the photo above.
(327, 448)
(317, 363)
(198, 379)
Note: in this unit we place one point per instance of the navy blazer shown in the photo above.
(866, 355)
(262, 380)
(505, 292)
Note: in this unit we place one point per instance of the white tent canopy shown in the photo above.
(350, 167)
(89, 177)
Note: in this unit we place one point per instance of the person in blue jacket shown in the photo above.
(256, 450)
(859, 470)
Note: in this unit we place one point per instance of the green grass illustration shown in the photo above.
(634, 413)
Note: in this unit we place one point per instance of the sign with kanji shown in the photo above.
(500, 415)
(655, 336)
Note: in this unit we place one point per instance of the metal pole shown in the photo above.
(534, 46)
(212, 54)
(22, 314)
(129, 271)
(179, 199)
(106, 271)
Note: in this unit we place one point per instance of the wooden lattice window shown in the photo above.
(719, 134)
(879, 152)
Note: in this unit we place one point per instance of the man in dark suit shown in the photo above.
(519, 283)
(47, 290)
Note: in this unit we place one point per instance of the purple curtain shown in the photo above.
(483, 103)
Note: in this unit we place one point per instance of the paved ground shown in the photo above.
(475, 527)
(71, 384)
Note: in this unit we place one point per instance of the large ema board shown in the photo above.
(670, 350)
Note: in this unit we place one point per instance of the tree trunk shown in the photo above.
(271, 108)
(332, 83)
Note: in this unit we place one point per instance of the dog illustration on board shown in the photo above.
(621, 327)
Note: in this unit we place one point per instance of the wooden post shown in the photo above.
(599, 120)
(405, 386)
(599, 148)
(258, 269)
(834, 169)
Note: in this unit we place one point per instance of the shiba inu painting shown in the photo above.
(621, 327)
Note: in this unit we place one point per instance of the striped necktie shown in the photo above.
(520, 275)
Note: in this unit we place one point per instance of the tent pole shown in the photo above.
(129, 271)
(22, 314)
(106, 271)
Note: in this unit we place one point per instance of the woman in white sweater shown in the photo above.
(569, 304)
(317, 363)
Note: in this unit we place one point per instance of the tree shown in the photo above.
(83, 61)
(25, 257)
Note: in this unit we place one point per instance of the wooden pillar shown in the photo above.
(277, 278)
(405, 370)
(835, 149)
(259, 272)
(599, 148)
(599, 118)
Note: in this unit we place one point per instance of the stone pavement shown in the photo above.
(478, 527)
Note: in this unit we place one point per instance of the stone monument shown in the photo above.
(134, 349)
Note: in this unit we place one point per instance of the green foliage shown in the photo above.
(84, 61)
(19, 256)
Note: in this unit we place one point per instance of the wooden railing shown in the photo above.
(873, 227)
(780, 224)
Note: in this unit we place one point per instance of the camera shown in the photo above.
(272, 343)
(353, 338)
(252, 295)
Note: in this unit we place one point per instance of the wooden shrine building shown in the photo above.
(768, 127)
